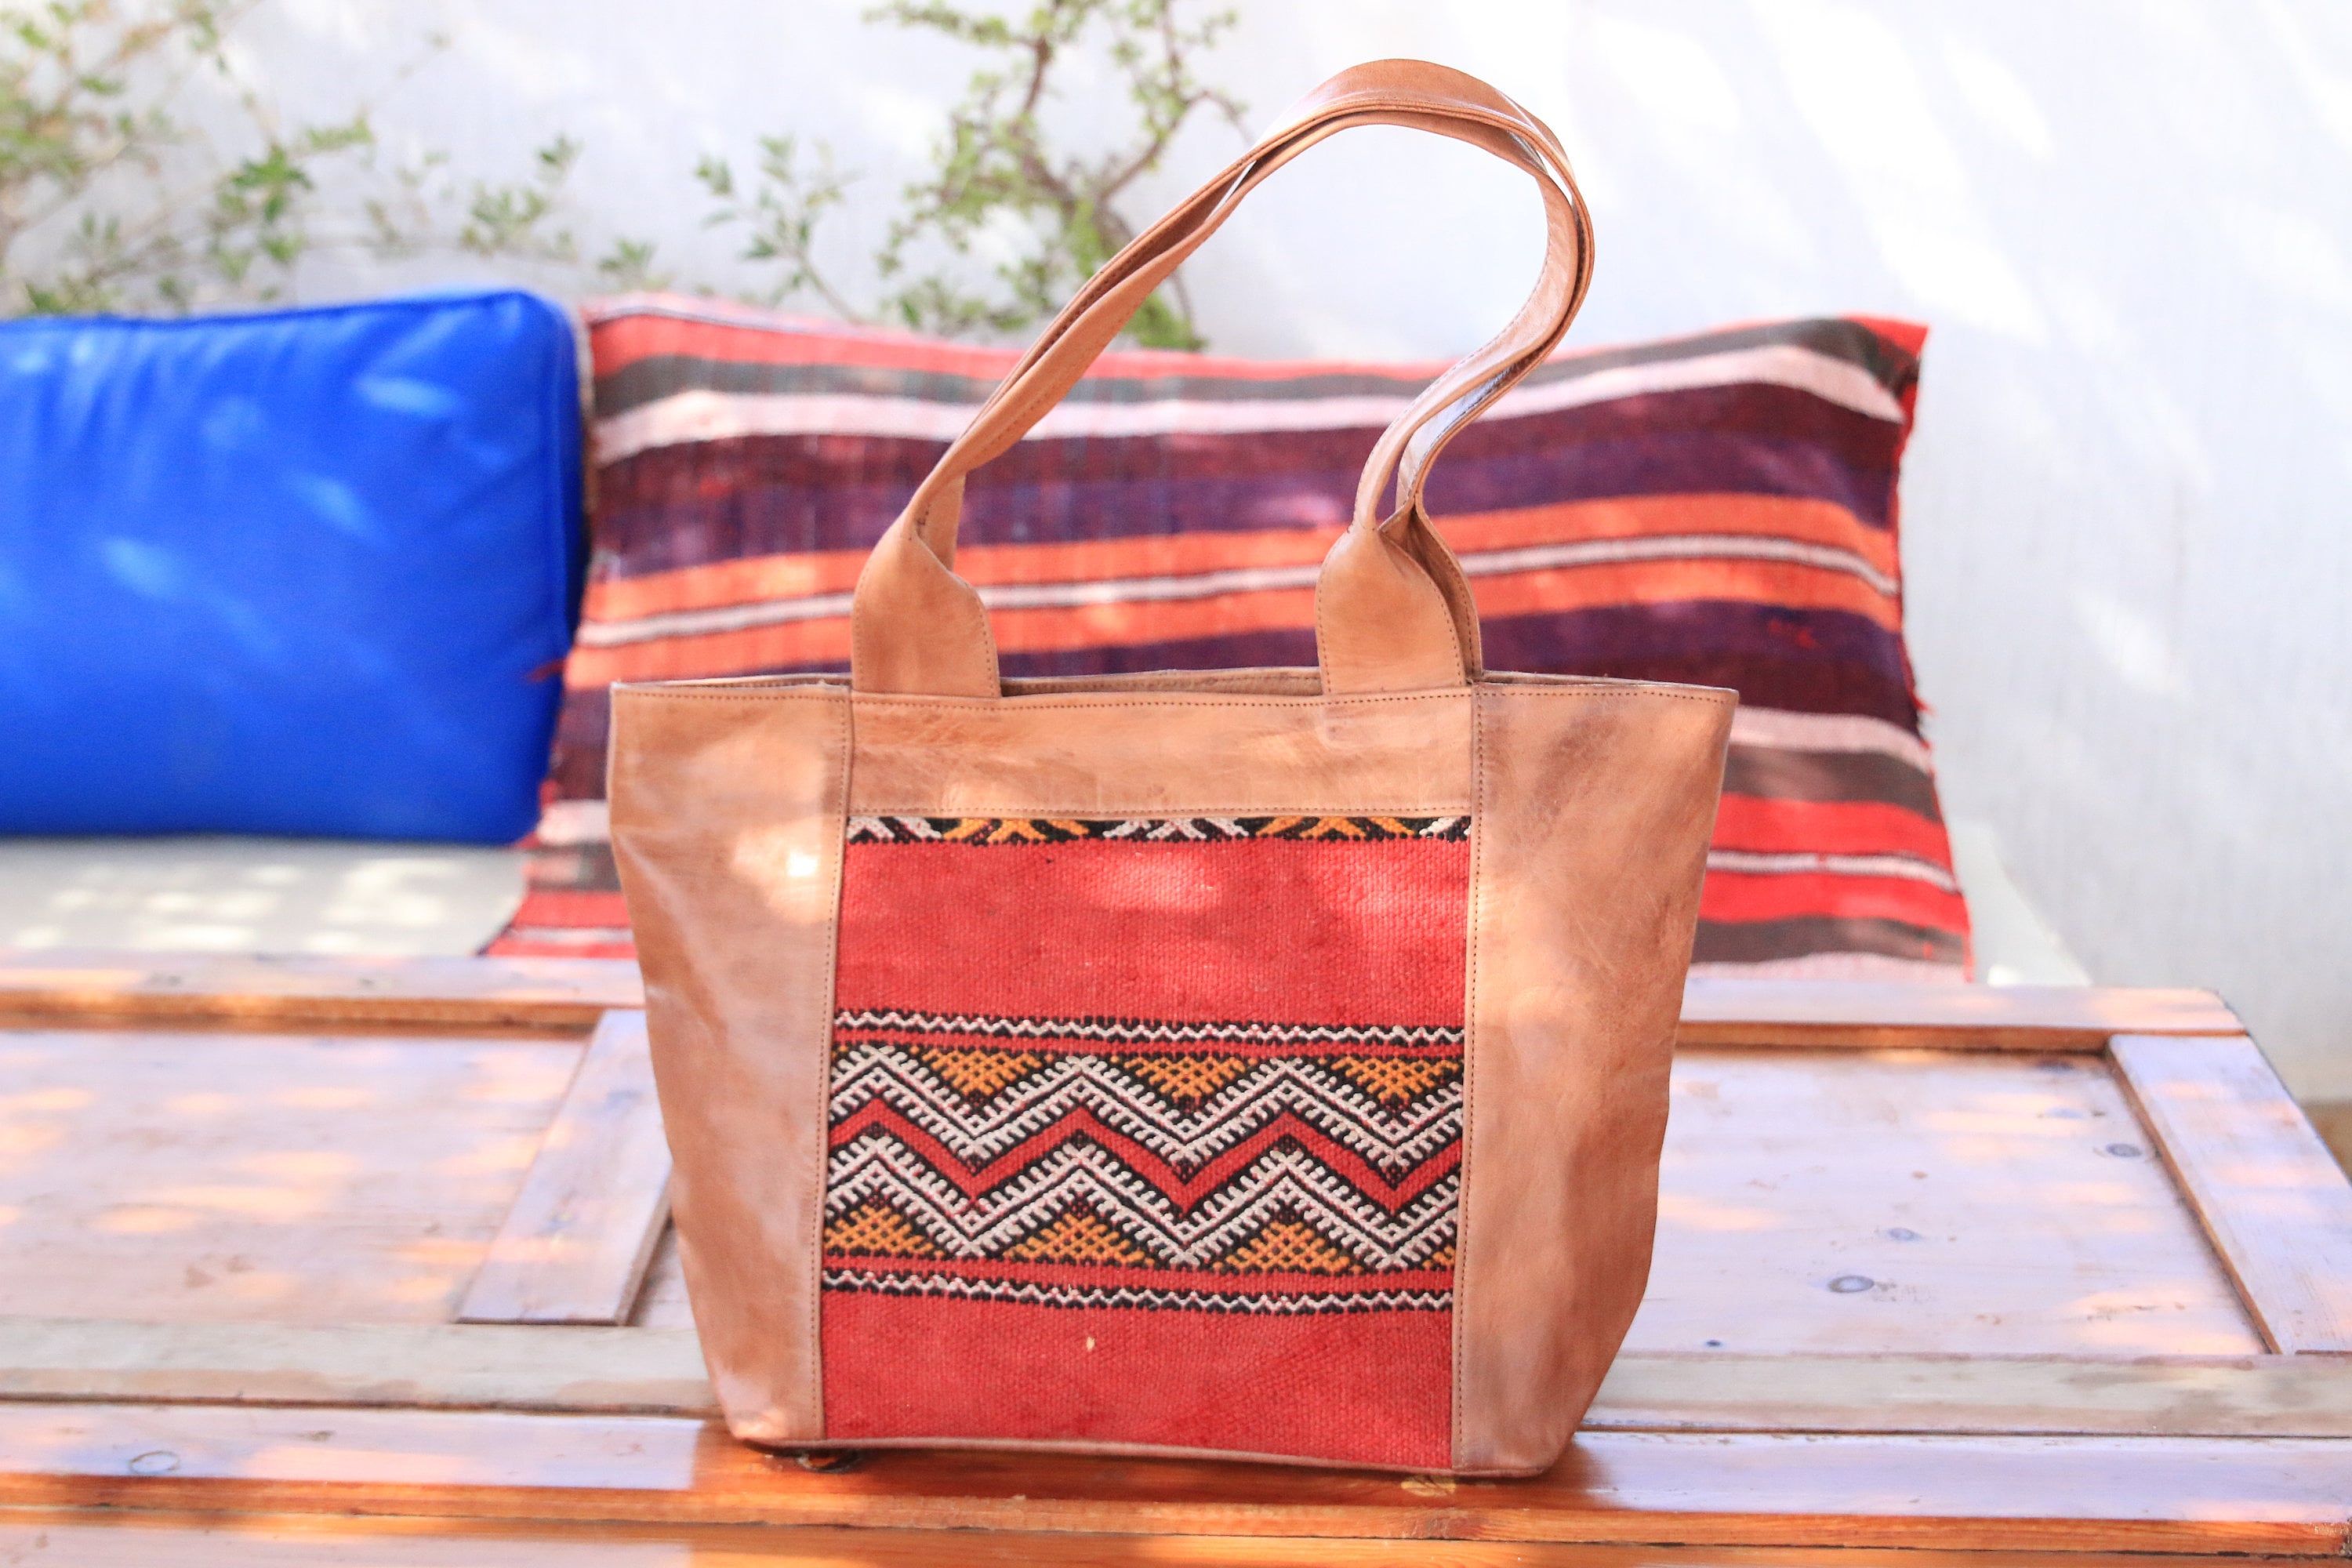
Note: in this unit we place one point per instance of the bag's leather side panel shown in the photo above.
(1590, 832)
(727, 816)
(1196, 754)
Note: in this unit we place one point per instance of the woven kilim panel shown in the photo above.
(1720, 509)
(1147, 1131)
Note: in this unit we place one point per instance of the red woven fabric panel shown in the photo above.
(1147, 1133)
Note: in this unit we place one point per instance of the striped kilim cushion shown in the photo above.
(1718, 509)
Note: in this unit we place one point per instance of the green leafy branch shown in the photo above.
(783, 212)
(108, 201)
(998, 177)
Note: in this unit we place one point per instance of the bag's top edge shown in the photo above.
(1302, 685)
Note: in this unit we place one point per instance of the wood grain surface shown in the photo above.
(574, 1247)
(423, 1365)
(2183, 1494)
(606, 1371)
(1926, 1202)
(53, 1539)
(572, 992)
(1932, 1272)
(302, 992)
(288, 1177)
(1726, 1011)
(2271, 1196)
(1919, 1202)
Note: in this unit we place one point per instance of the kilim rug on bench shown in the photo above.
(1720, 509)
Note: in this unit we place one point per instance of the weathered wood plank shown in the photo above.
(574, 1247)
(2272, 1197)
(1726, 1012)
(607, 1370)
(289, 1177)
(296, 992)
(2281, 1496)
(425, 1366)
(1923, 1203)
(135, 1539)
(2256, 1396)
(572, 992)
(1840, 1202)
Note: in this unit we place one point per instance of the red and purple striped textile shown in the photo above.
(1718, 509)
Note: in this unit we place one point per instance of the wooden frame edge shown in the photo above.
(86, 989)
(580, 1232)
(618, 1370)
(2267, 1193)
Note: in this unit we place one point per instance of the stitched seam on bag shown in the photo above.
(1463, 1234)
(658, 693)
(839, 821)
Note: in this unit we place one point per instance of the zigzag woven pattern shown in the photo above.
(1185, 1109)
(1163, 1156)
(1081, 1203)
(1027, 1293)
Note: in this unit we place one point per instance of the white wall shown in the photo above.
(2128, 221)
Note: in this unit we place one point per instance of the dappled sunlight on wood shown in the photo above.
(282, 1204)
(24, 1140)
(302, 1165)
(59, 1098)
(1852, 1202)
(507, 1155)
(240, 1176)
(1686, 1212)
(439, 1252)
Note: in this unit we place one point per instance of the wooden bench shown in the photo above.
(366, 1259)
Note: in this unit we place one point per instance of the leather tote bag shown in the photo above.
(1266, 1063)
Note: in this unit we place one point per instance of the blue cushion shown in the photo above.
(306, 572)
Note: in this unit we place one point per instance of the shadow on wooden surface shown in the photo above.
(1953, 1271)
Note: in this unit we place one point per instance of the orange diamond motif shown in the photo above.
(877, 1230)
(979, 1073)
(1394, 1080)
(1185, 1077)
(1287, 1247)
(1077, 1235)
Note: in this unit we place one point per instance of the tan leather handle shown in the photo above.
(1393, 609)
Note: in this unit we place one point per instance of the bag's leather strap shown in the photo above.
(1393, 609)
